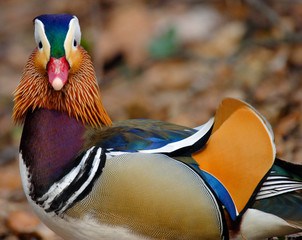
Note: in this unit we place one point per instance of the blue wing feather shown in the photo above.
(221, 192)
(135, 135)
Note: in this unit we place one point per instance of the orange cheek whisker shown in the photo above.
(80, 97)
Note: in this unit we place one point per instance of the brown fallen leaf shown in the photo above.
(10, 176)
(287, 124)
(22, 222)
(128, 31)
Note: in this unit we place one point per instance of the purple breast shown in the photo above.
(50, 142)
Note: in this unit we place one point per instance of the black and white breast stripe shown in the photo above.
(75, 185)
(276, 185)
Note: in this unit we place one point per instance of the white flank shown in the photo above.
(258, 225)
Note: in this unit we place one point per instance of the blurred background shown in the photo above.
(166, 60)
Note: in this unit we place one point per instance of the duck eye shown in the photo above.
(40, 45)
(74, 43)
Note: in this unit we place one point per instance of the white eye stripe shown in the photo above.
(41, 38)
(73, 36)
(77, 30)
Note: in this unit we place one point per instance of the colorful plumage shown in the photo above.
(89, 178)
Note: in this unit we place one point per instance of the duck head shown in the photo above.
(58, 38)
(59, 74)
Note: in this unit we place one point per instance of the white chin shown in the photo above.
(57, 84)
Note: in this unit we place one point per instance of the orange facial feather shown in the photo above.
(80, 97)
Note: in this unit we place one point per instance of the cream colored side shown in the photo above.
(86, 228)
(154, 196)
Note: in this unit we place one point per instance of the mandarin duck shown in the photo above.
(89, 178)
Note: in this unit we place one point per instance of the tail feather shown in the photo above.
(291, 168)
(281, 193)
(286, 206)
